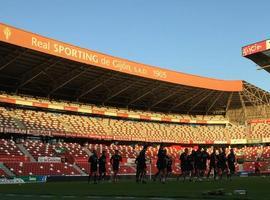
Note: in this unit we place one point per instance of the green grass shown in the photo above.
(257, 188)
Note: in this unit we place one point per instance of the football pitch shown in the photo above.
(256, 187)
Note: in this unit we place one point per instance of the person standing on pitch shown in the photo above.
(169, 165)
(93, 160)
(160, 151)
(221, 164)
(231, 164)
(102, 166)
(257, 166)
(141, 166)
(184, 164)
(191, 163)
(115, 162)
(198, 163)
(163, 165)
(213, 164)
(205, 157)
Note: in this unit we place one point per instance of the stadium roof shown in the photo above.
(259, 53)
(39, 66)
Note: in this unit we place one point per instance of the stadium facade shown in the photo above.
(54, 90)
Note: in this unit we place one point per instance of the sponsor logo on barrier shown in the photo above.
(38, 132)
(14, 130)
(34, 179)
(131, 160)
(49, 159)
(266, 140)
(238, 141)
(220, 142)
(11, 181)
(254, 141)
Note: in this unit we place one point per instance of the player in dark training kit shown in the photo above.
(198, 162)
(213, 163)
(93, 160)
(184, 163)
(115, 162)
(169, 166)
(102, 166)
(205, 157)
(160, 151)
(163, 165)
(221, 163)
(231, 164)
(141, 166)
(191, 163)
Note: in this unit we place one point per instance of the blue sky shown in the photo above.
(191, 36)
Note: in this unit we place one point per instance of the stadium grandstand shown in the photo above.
(58, 102)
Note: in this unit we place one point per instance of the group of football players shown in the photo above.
(193, 164)
(100, 162)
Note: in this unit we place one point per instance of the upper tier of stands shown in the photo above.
(111, 111)
(53, 123)
(260, 130)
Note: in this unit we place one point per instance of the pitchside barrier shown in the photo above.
(23, 179)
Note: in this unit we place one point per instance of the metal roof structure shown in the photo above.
(38, 66)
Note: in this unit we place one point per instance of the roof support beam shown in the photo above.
(254, 96)
(90, 86)
(170, 94)
(37, 71)
(143, 93)
(75, 73)
(214, 102)
(187, 99)
(229, 102)
(265, 96)
(201, 100)
(118, 91)
(7, 63)
(243, 104)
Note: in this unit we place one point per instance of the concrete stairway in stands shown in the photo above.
(25, 152)
(79, 170)
(89, 153)
(6, 170)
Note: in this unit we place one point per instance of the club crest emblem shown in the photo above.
(7, 33)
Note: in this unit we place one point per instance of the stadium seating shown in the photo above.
(6, 119)
(38, 149)
(53, 169)
(260, 130)
(128, 152)
(112, 109)
(54, 123)
(9, 151)
(2, 173)
(74, 150)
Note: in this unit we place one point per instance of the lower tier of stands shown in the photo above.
(2, 173)
(73, 157)
(53, 169)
